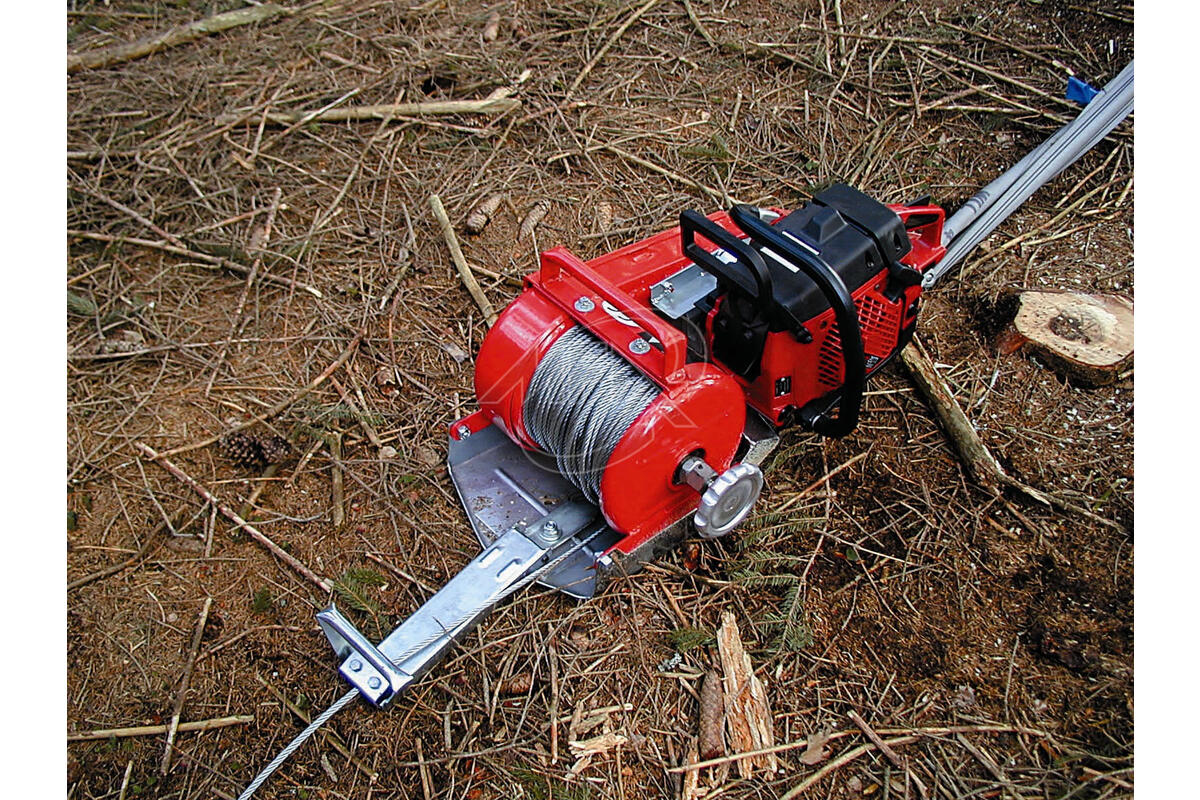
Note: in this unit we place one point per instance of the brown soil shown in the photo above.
(919, 600)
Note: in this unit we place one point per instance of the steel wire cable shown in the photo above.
(582, 399)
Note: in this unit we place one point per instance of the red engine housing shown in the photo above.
(814, 370)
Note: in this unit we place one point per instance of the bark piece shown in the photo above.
(1088, 337)
(747, 711)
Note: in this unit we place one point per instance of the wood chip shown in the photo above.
(747, 713)
(598, 744)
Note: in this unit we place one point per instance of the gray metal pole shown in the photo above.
(993, 204)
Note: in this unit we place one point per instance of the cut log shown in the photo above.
(1087, 337)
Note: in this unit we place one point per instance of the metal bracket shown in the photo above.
(408, 652)
(363, 665)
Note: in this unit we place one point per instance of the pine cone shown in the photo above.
(243, 449)
(254, 451)
(274, 448)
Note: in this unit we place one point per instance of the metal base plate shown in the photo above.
(502, 485)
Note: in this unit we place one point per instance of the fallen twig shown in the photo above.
(184, 683)
(488, 105)
(155, 730)
(843, 759)
(979, 461)
(460, 262)
(891, 754)
(803, 743)
(666, 173)
(229, 513)
(141, 555)
(241, 306)
(173, 36)
(634, 17)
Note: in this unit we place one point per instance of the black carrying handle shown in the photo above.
(748, 272)
(844, 311)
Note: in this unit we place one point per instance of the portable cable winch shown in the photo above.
(628, 400)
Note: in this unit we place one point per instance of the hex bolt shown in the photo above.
(584, 305)
(374, 683)
(551, 529)
(356, 666)
(639, 347)
(696, 473)
(464, 432)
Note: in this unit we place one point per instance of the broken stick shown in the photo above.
(173, 36)
(184, 683)
(488, 105)
(460, 262)
(155, 730)
(980, 463)
(229, 513)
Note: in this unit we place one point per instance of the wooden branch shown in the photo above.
(841, 760)
(173, 36)
(464, 271)
(979, 461)
(666, 173)
(891, 754)
(155, 730)
(144, 553)
(230, 514)
(981, 464)
(184, 684)
(489, 105)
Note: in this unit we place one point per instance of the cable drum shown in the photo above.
(582, 399)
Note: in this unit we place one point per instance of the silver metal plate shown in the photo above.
(677, 295)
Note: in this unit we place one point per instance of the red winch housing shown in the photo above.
(712, 368)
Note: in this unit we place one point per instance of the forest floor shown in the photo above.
(220, 264)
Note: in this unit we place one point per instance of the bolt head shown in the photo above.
(639, 347)
(356, 666)
(464, 432)
(584, 305)
(374, 683)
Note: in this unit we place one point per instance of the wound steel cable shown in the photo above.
(582, 399)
